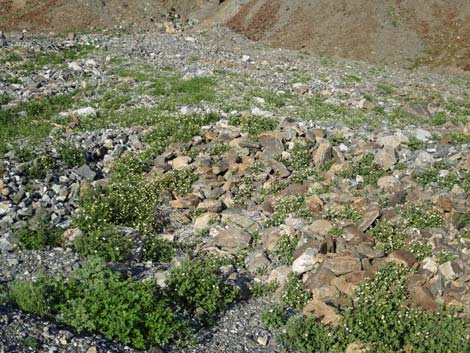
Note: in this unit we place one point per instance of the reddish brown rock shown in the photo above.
(323, 312)
(341, 265)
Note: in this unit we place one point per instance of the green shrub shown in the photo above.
(295, 296)
(285, 248)
(253, 126)
(260, 289)
(389, 236)
(307, 335)
(420, 249)
(290, 205)
(38, 237)
(365, 167)
(275, 316)
(105, 242)
(96, 299)
(421, 216)
(38, 167)
(342, 212)
(158, 250)
(38, 297)
(72, 155)
(197, 286)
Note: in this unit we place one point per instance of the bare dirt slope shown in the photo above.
(406, 32)
(409, 33)
(66, 15)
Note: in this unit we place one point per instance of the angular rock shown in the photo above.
(322, 153)
(369, 217)
(386, 157)
(341, 265)
(323, 312)
(305, 262)
(231, 240)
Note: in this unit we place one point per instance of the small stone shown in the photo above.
(450, 270)
(300, 88)
(92, 350)
(85, 172)
(305, 262)
(402, 257)
(262, 340)
(323, 153)
(324, 312)
(356, 348)
(205, 220)
(314, 203)
(180, 163)
(369, 217)
(341, 265)
(386, 157)
(262, 113)
(280, 274)
(319, 226)
(256, 261)
(214, 206)
(423, 159)
(232, 240)
(423, 298)
(422, 135)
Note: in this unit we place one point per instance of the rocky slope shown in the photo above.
(334, 180)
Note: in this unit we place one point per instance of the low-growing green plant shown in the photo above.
(290, 205)
(415, 144)
(72, 155)
(157, 249)
(295, 295)
(421, 216)
(420, 249)
(459, 138)
(38, 237)
(197, 286)
(444, 256)
(365, 167)
(389, 236)
(30, 342)
(285, 248)
(105, 242)
(335, 231)
(254, 125)
(261, 289)
(275, 316)
(38, 167)
(96, 299)
(342, 212)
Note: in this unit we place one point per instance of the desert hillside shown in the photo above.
(411, 33)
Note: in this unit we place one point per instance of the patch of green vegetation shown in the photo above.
(30, 342)
(444, 256)
(219, 149)
(285, 248)
(336, 139)
(244, 191)
(260, 289)
(275, 316)
(272, 99)
(319, 110)
(71, 154)
(352, 78)
(294, 205)
(386, 88)
(198, 288)
(365, 167)
(382, 321)
(38, 167)
(420, 249)
(415, 144)
(132, 201)
(389, 236)
(105, 242)
(157, 249)
(37, 122)
(459, 138)
(38, 237)
(335, 231)
(295, 296)
(300, 162)
(421, 216)
(167, 130)
(342, 213)
(253, 126)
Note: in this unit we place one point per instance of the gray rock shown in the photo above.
(86, 172)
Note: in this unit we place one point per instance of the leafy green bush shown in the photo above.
(389, 236)
(105, 242)
(261, 289)
(38, 297)
(253, 126)
(365, 167)
(38, 167)
(421, 216)
(38, 237)
(295, 296)
(72, 155)
(290, 205)
(285, 249)
(274, 316)
(158, 250)
(95, 299)
(197, 286)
